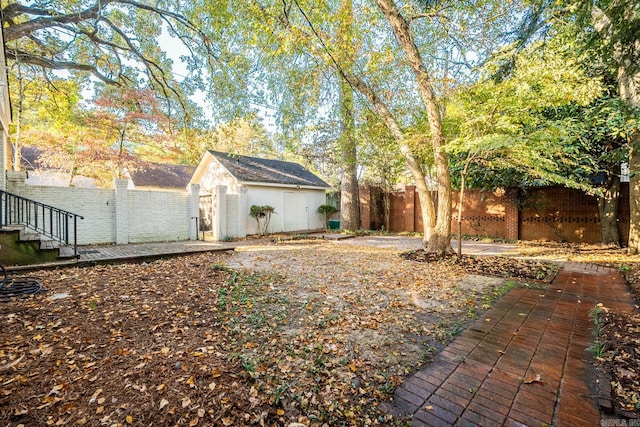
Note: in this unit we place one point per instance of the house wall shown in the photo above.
(215, 175)
(275, 196)
(119, 215)
(230, 212)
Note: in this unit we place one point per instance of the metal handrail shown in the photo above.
(39, 217)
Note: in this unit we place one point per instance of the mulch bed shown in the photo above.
(501, 266)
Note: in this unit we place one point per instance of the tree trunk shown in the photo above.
(427, 208)
(630, 91)
(629, 87)
(349, 200)
(608, 210)
(634, 195)
(440, 240)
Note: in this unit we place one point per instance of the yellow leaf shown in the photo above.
(129, 419)
(194, 422)
(161, 388)
(227, 421)
(191, 381)
(280, 412)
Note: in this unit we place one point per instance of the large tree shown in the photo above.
(398, 73)
(617, 23)
(611, 30)
(120, 43)
(349, 198)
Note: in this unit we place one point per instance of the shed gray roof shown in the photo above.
(162, 175)
(268, 171)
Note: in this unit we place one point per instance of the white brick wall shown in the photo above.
(158, 216)
(151, 216)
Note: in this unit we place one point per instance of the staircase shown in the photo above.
(33, 233)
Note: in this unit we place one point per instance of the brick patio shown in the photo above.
(482, 377)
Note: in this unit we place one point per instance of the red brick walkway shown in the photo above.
(482, 377)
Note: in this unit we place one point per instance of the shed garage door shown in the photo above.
(295, 211)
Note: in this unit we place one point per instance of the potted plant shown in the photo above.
(327, 210)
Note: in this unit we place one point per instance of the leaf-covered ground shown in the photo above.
(617, 350)
(301, 332)
(307, 332)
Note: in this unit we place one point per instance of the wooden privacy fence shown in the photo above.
(544, 213)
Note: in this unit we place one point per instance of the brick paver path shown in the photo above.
(482, 377)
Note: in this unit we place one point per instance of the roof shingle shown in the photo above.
(255, 169)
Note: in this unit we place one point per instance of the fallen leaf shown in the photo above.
(532, 378)
(191, 381)
(163, 403)
(186, 402)
(95, 395)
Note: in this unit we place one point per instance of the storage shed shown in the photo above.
(230, 184)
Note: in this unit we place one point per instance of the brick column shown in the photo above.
(365, 207)
(16, 182)
(4, 144)
(511, 216)
(410, 208)
(122, 211)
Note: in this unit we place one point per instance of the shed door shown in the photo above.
(295, 215)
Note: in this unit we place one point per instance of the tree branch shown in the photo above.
(29, 58)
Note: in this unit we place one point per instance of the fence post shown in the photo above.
(511, 216)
